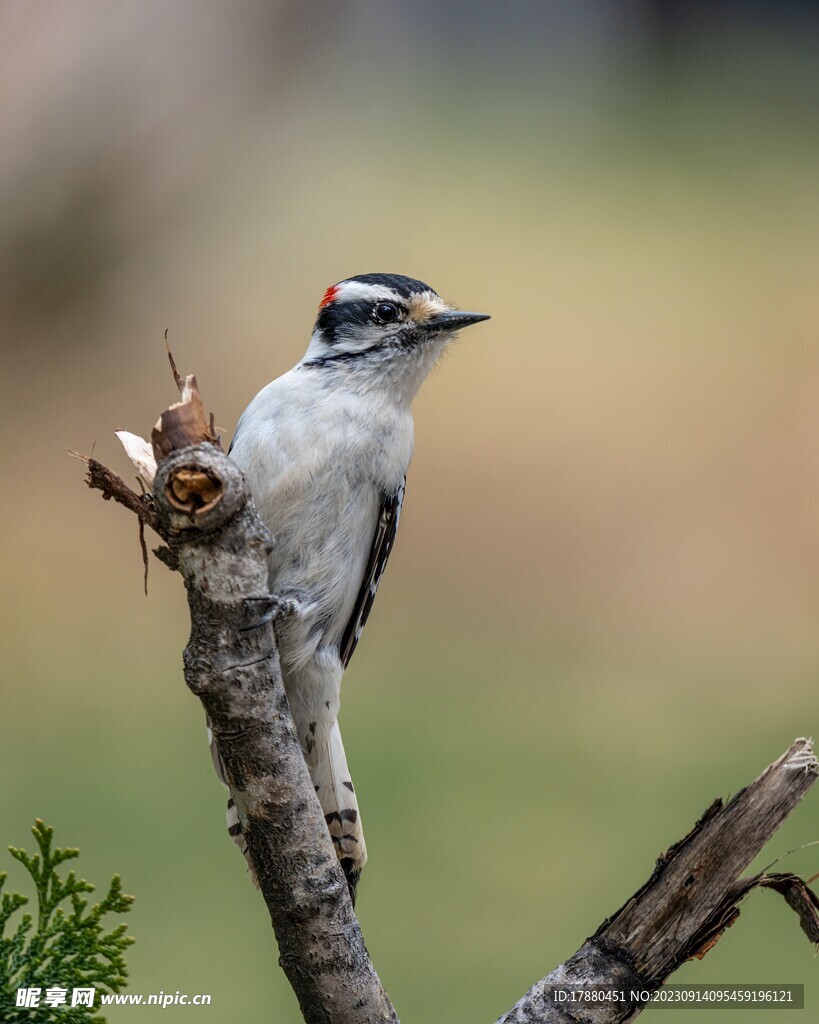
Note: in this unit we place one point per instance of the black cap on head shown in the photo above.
(405, 286)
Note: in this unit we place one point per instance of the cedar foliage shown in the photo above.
(65, 944)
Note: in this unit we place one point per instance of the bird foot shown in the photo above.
(275, 607)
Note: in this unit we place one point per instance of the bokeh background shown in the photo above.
(602, 609)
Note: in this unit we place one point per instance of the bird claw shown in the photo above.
(277, 608)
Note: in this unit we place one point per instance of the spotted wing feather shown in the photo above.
(383, 539)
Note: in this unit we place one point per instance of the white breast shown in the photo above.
(317, 457)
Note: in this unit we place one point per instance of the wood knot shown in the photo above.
(193, 490)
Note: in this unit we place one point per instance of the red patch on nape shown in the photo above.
(329, 296)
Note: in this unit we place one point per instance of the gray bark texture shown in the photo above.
(203, 511)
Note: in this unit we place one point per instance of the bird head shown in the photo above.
(384, 326)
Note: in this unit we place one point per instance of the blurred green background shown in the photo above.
(602, 609)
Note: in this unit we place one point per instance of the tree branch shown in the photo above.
(101, 478)
(202, 508)
(690, 899)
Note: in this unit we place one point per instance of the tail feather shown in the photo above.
(336, 794)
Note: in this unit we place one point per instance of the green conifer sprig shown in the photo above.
(69, 948)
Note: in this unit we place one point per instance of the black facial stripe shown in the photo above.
(338, 358)
(405, 339)
(341, 318)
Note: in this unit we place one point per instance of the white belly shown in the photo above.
(317, 463)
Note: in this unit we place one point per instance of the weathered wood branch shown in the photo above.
(202, 509)
(103, 479)
(689, 900)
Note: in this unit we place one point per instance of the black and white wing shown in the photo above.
(383, 539)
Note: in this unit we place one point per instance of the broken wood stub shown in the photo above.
(183, 424)
(198, 488)
(189, 490)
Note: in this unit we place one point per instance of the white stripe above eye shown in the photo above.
(353, 291)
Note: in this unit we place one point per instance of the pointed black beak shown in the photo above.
(454, 321)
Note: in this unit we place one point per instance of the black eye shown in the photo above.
(385, 312)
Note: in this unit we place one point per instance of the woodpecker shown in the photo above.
(325, 449)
